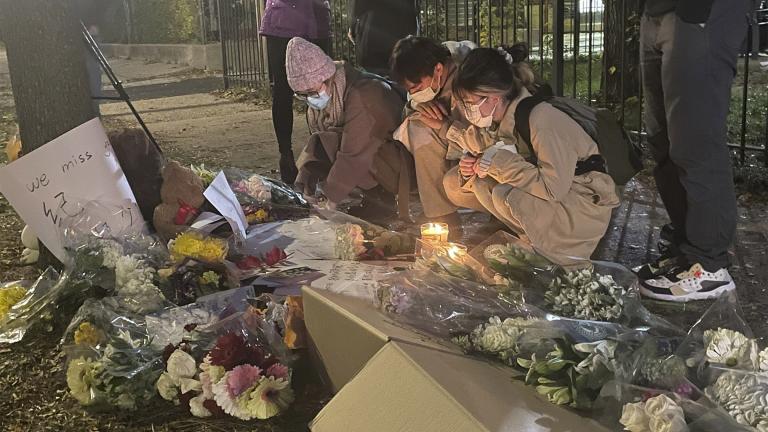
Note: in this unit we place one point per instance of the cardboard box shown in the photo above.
(411, 388)
(348, 332)
(388, 378)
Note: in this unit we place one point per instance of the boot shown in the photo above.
(378, 206)
(288, 169)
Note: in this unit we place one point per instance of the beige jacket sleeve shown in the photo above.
(552, 177)
(468, 137)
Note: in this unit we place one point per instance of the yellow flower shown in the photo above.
(196, 246)
(10, 296)
(87, 334)
(259, 216)
(210, 278)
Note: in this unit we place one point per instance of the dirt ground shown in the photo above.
(192, 126)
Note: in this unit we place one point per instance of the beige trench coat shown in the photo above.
(563, 216)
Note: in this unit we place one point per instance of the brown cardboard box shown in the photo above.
(411, 388)
(388, 378)
(348, 332)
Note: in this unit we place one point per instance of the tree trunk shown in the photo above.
(621, 57)
(46, 60)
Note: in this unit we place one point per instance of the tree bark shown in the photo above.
(621, 57)
(46, 60)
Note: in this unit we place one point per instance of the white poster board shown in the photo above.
(49, 184)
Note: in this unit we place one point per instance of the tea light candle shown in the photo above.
(434, 232)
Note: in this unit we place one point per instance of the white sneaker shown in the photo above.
(680, 285)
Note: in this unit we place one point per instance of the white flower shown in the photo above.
(600, 353)
(763, 360)
(744, 396)
(181, 365)
(663, 406)
(730, 348)
(112, 251)
(634, 418)
(168, 388)
(269, 398)
(665, 424)
(196, 407)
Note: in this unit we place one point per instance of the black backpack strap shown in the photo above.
(523, 116)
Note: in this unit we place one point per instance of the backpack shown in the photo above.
(619, 156)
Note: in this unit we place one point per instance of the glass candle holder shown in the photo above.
(434, 232)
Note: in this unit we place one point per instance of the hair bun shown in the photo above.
(518, 51)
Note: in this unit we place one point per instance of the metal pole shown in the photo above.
(575, 33)
(591, 48)
(201, 14)
(744, 100)
(224, 63)
(557, 55)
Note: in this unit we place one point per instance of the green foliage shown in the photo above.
(166, 21)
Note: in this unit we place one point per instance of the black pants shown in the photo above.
(282, 95)
(688, 68)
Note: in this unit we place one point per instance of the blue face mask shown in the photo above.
(320, 101)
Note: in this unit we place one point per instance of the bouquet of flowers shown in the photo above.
(111, 363)
(355, 243)
(185, 282)
(238, 377)
(589, 293)
(256, 192)
(198, 246)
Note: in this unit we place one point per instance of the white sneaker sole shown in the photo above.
(688, 297)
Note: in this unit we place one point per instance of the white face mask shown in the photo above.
(320, 101)
(474, 116)
(426, 94)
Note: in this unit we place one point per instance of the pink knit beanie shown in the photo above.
(306, 65)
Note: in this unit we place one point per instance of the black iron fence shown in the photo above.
(587, 49)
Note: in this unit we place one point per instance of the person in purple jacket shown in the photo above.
(283, 20)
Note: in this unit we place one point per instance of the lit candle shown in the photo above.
(434, 232)
(456, 251)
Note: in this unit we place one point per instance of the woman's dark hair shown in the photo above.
(415, 57)
(495, 70)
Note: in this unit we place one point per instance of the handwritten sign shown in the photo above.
(221, 196)
(53, 182)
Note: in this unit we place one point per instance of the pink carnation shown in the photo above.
(241, 379)
(278, 371)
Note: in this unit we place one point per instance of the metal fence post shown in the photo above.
(558, 48)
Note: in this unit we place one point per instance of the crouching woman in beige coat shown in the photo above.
(535, 190)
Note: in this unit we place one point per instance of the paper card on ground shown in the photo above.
(41, 185)
(357, 279)
(221, 196)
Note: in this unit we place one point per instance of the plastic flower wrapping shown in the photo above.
(355, 242)
(237, 376)
(111, 362)
(277, 199)
(659, 413)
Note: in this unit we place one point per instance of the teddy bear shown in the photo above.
(181, 196)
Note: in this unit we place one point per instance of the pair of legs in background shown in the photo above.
(282, 102)
(688, 63)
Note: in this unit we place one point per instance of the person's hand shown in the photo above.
(467, 165)
(432, 109)
(431, 123)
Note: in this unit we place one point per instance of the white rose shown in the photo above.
(196, 407)
(168, 387)
(181, 365)
(663, 406)
(673, 424)
(634, 418)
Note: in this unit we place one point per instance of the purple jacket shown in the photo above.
(309, 19)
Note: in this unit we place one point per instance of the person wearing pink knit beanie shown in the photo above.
(351, 116)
